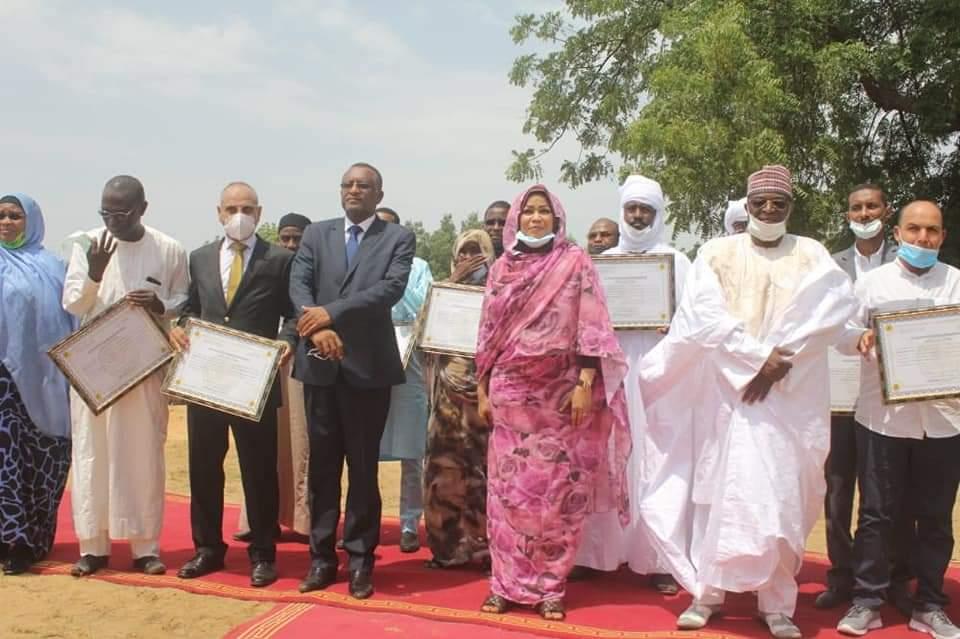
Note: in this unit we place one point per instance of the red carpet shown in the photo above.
(618, 605)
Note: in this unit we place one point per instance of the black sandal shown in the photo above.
(552, 610)
(495, 604)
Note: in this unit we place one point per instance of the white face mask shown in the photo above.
(765, 231)
(240, 226)
(534, 242)
(868, 230)
(636, 235)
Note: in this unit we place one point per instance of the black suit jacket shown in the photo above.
(358, 301)
(261, 299)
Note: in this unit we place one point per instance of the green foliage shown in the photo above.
(269, 232)
(436, 247)
(700, 93)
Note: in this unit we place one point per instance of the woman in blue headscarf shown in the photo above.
(34, 403)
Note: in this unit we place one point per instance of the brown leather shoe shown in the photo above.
(149, 565)
(89, 564)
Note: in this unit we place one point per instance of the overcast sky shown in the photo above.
(188, 96)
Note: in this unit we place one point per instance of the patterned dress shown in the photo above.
(455, 475)
(33, 473)
(545, 318)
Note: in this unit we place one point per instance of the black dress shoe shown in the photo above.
(361, 584)
(149, 565)
(263, 573)
(244, 537)
(318, 578)
(88, 565)
(664, 584)
(201, 564)
(831, 598)
(409, 542)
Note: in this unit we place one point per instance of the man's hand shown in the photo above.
(314, 318)
(287, 354)
(867, 341)
(178, 339)
(328, 344)
(99, 254)
(148, 300)
(774, 369)
(467, 268)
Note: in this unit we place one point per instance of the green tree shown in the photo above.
(699, 93)
(269, 232)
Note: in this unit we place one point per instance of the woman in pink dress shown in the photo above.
(551, 385)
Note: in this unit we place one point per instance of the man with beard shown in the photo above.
(118, 460)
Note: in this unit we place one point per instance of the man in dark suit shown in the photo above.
(347, 275)
(867, 214)
(241, 282)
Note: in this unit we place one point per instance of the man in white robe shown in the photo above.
(118, 459)
(758, 312)
(735, 219)
(606, 544)
(907, 452)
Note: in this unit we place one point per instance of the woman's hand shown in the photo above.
(466, 268)
(483, 402)
(580, 404)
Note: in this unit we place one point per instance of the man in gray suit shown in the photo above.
(241, 283)
(347, 275)
(867, 214)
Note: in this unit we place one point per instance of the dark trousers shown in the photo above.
(841, 476)
(891, 471)
(345, 423)
(257, 452)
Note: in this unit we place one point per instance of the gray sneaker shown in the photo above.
(934, 622)
(781, 626)
(859, 620)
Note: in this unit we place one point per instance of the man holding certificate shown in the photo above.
(118, 462)
(346, 277)
(240, 283)
(867, 215)
(908, 451)
(606, 544)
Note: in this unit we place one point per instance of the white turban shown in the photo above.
(736, 212)
(641, 190)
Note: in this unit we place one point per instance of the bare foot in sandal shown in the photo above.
(495, 604)
(552, 610)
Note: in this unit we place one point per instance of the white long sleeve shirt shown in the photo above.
(894, 287)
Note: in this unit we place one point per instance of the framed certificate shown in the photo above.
(639, 288)
(112, 353)
(919, 353)
(451, 319)
(405, 333)
(227, 370)
(844, 382)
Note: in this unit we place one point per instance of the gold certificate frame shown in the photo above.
(224, 369)
(640, 289)
(450, 319)
(918, 353)
(112, 353)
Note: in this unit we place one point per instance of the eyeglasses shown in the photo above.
(13, 217)
(363, 186)
(122, 215)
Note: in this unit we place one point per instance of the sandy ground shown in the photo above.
(61, 607)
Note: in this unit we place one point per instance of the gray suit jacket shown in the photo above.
(358, 300)
(846, 259)
(261, 299)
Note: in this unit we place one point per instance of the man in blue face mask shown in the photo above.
(867, 214)
(908, 452)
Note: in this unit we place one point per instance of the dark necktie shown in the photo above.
(353, 243)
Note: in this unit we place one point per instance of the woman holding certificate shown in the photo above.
(34, 394)
(551, 385)
(455, 468)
